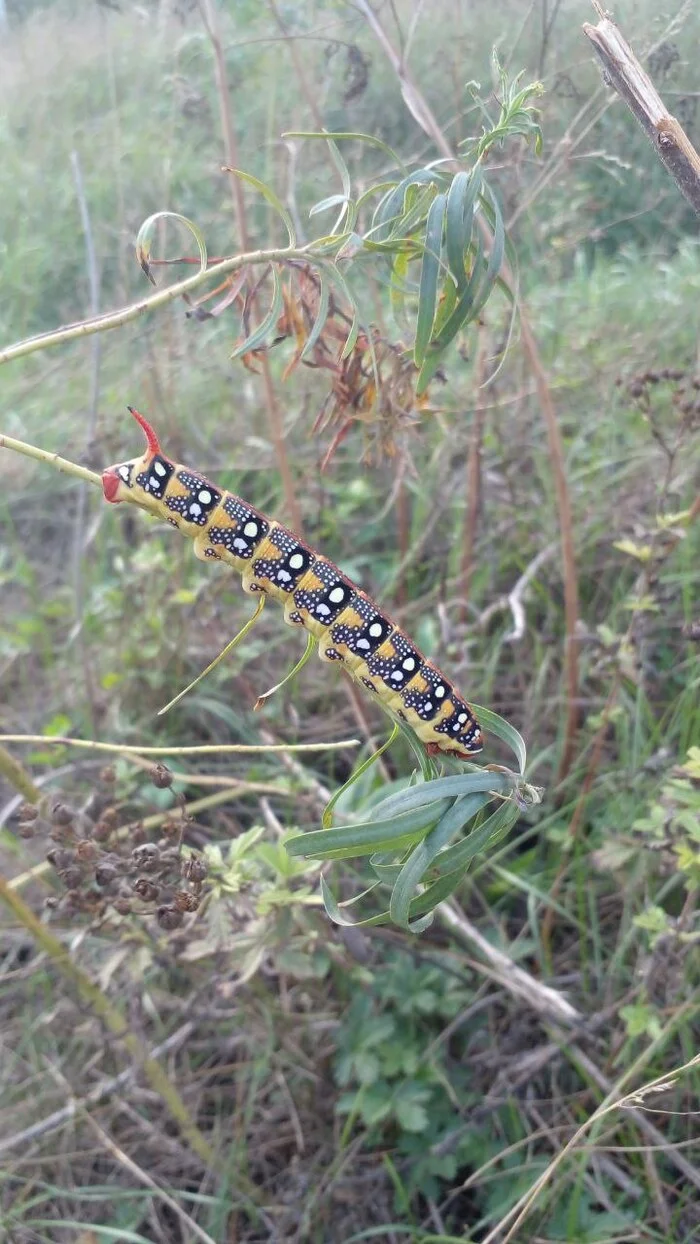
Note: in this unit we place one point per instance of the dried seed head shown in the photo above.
(194, 868)
(161, 776)
(184, 901)
(71, 876)
(27, 812)
(171, 828)
(108, 775)
(106, 874)
(26, 829)
(86, 850)
(60, 859)
(169, 918)
(146, 856)
(62, 833)
(122, 905)
(61, 814)
(146, 889)
(51, 903)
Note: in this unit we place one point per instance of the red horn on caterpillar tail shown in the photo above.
(151, 438)
(114, 478)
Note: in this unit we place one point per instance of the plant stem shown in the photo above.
(54, 460)
(200, 750)
(116, 319)
(17, 776)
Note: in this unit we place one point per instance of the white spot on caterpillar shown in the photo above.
(409, 663)
(205, 496)
(337, 595)
(440, 691)
(283, 576)
(238, 543)
(462, 718)
(195, 509)
(159, 468)
(428, 706)
(250, 529)
(454, 727)
(397, 676)
(124, 473)
(296, 561)
(363, 643)
(154, 483)
(375, 630)
(322, 609)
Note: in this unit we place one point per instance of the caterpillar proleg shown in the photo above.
(316, 595)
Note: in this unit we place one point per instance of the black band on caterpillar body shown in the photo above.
(316, 595)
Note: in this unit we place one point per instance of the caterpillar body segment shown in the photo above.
(316, 595)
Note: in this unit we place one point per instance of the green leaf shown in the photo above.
(425, 793)
(271, 198)
(490, 831)
(430, 272)
(321, 316)
(265, 327)
(346, 134)
(410, 1114)
(424, 853)
(459, 220)
(145, 237)
(367, 837)
(503, 730)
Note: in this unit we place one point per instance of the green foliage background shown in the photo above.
(356, 1084)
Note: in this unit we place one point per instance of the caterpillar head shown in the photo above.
(143, 480)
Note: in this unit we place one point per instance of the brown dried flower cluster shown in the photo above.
(374, 386)
(107, 867)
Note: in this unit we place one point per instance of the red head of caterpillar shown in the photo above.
(273, 561)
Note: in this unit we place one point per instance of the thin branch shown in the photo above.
(125, 749)
(116, 319)
(624, 73)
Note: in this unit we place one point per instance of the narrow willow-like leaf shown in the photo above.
(268, 193)
(349, 346)
(321, 315)
(495, 257)
(369, 836)
(260, 334)
(430, 272)
(424, 853)
(459, 219)
(338, 136)
(145, 238)
(323, 204)
(348, 209)
(461, 315)
(495, 827)
(391, 207)
(354, 777)
(505, 732)
(420, 796)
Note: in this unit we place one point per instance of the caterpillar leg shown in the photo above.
(310, 645)
(224, 652)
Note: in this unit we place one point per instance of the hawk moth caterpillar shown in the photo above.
(348, 626)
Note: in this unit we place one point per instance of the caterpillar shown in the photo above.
(348, 626)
